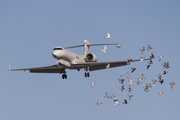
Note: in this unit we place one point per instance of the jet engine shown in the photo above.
(90, 57)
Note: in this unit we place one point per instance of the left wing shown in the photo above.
(48, 69)
(104, 65)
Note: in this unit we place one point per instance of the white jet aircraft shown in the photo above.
(69, 60)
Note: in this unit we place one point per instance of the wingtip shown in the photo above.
(9, 68)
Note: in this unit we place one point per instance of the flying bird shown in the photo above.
(148, 66)
(130, 82)
(129, 89)
(143, 77)
(150, 62)
(125, 101)
(133, 69)
(130, 96)
(172, 84)
(121, 80)
(107, 95)
(127, 75)
(112, 96)
(154, 81)
(98, 103)
(142, 58)
(149, 47)
(122, 88)
(165, 72)
(160, 93)
(139, 81)
(160, 58)
(105, 49)
(108, 36)
(142, 50)
(92, 84)
(152, 55)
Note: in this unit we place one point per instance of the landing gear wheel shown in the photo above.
(86, 74)
(64, 76)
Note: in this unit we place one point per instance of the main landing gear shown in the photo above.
(64, 76)
(86, 74)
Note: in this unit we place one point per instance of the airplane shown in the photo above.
(69, 60)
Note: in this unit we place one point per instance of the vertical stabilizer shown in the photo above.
(86, 47)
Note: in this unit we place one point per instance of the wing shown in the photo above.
(103, 65)
(47, 69)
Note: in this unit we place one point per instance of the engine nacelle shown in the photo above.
(90, 57)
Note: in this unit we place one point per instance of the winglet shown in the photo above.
(9, 68)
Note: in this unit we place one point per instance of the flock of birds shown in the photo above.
(146, 87)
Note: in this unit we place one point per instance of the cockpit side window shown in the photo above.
(57, 49)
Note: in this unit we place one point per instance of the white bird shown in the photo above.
(108, 65)
(130, 82)
(108, 36)
(92, 84)
(160, 93)
(139, 81)
(117, 103)
(160, 58)
(98, 103)
(142, 58)
(118, 46)
(105, 49)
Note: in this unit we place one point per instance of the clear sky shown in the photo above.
(29, 30)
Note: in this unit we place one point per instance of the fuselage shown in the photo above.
(60, 53)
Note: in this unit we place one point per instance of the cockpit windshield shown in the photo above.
(57, 49)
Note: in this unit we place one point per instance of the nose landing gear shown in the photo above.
(86, 74)
(64, 76)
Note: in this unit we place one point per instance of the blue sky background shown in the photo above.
(29, 30)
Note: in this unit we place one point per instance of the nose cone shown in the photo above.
(56, 54)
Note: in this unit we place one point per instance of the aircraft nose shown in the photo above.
(56, 54)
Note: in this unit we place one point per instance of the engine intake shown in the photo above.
(90, 57)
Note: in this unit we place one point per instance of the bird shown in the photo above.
(146, 88)
(122, 88)
(160, 58)
(152, 55)
(92, 84)
(129, 89)
(117, 103)
(130, 96)
(112, 96)
(142, 50)
(150, 62)
(142, 58)
(98, 103)
(125, 101)
(121, 80)
(149, 47)
(167, 65)
(160, 93)
(139, 81)
(148, 66)
(118, 46)
(165, 72)
(143, 77)
(127, 75)
(105, 49)
(133, 69)
(164, 65)
(108, 65)
(130, 82)
(161, 80)
(108, 36)
(172, 84)
(154, 81)
(129, 61)
(107, 95)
